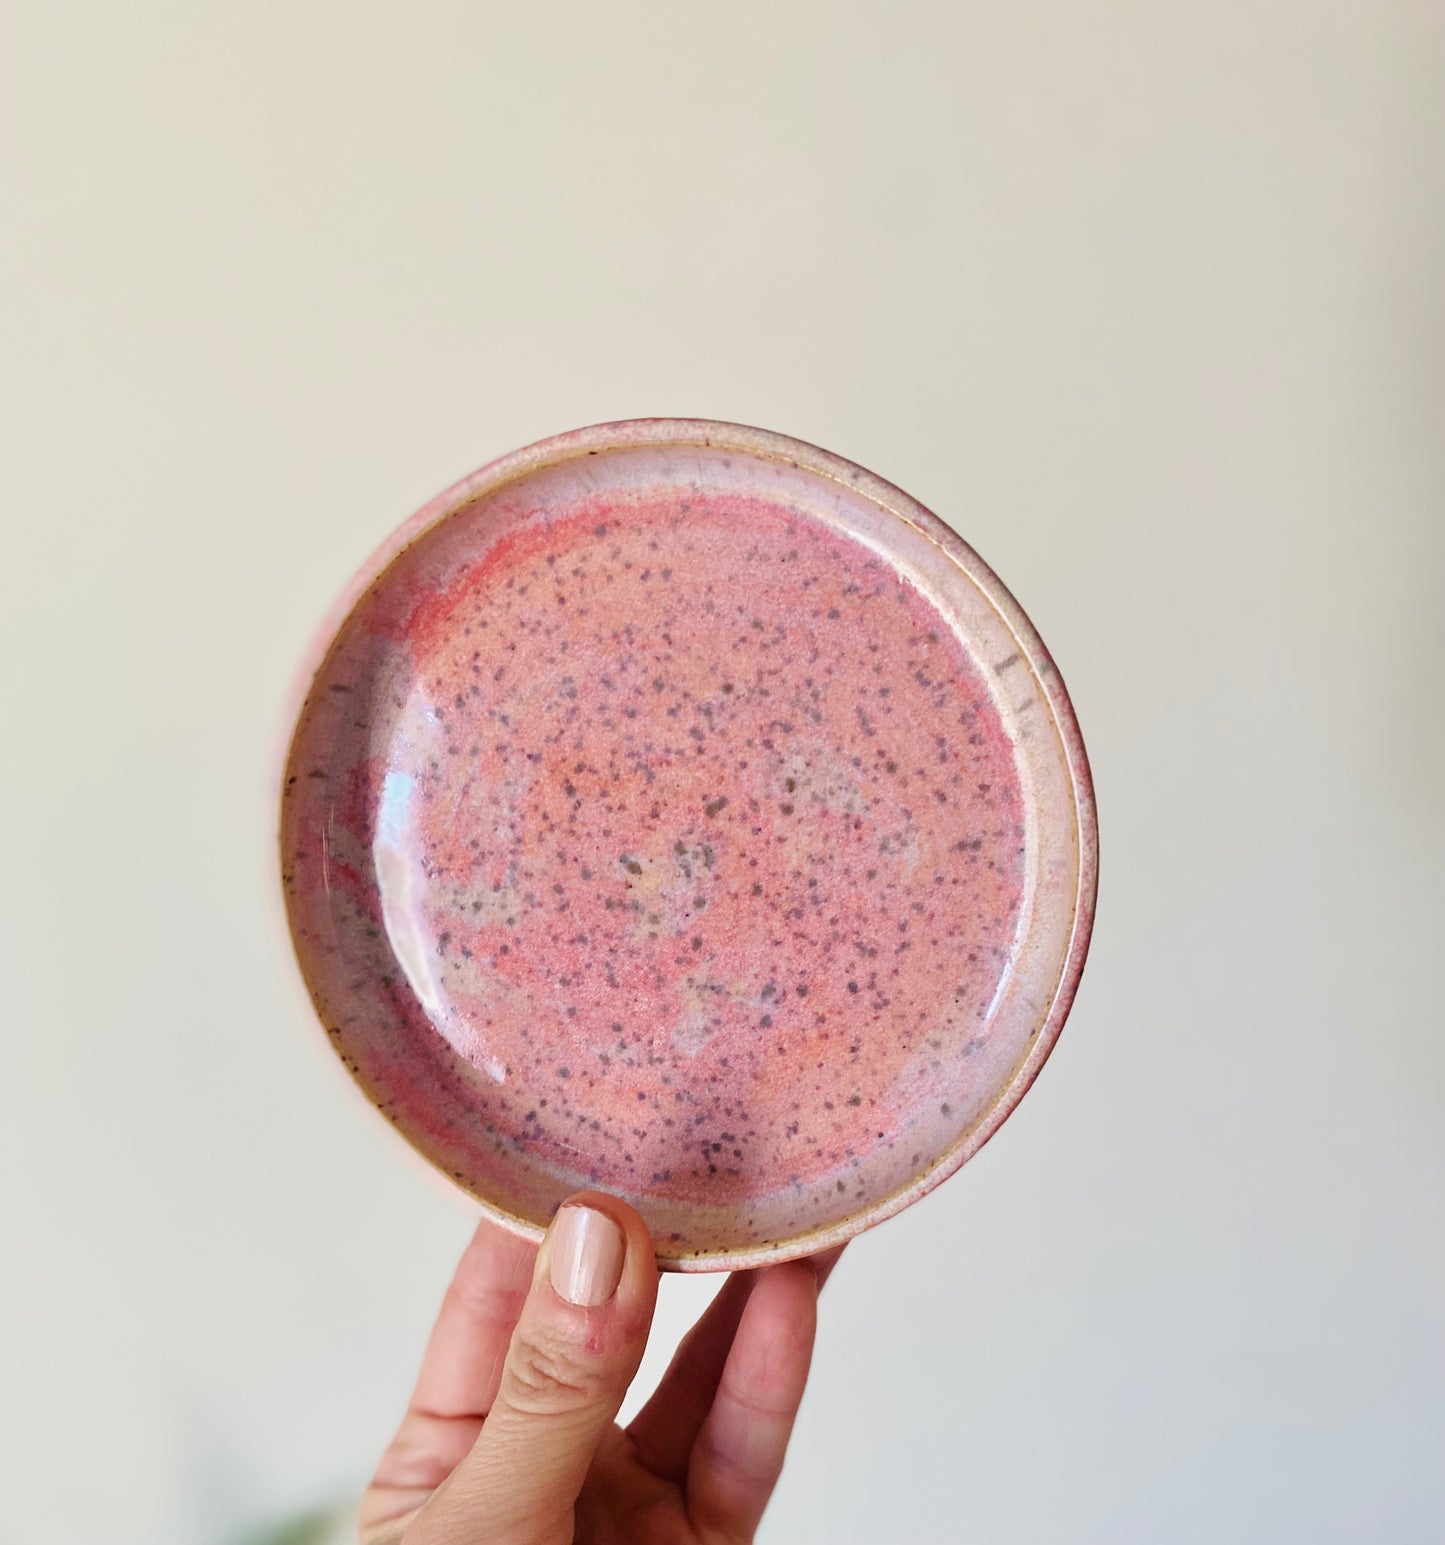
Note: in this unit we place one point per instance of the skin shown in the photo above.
(511, 1433)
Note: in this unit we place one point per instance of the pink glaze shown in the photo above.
(666, 839)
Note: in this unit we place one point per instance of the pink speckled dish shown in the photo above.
(681, 810)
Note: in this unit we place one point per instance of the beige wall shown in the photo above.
(1145, 298)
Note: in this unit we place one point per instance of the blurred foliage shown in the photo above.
(313, 1529)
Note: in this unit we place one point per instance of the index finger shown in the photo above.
(461, 1370)
(462, 1365)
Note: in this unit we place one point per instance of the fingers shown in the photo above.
(739, 1452)
(575, 1350)
(462, 1365)
(664, 1431)
(460, 1372)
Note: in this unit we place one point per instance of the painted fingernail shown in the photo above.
(587, 1251)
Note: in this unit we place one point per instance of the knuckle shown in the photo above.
(545, 1376)
(483, 1301)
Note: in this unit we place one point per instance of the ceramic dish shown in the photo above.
(676, 808)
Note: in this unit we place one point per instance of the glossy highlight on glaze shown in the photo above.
(664, 837)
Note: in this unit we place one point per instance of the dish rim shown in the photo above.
(764, 445)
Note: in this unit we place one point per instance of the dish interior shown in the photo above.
(664, 820)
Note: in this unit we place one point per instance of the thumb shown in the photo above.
(575, 1350)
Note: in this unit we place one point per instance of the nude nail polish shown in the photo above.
(586, 1257)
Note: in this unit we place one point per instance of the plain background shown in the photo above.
(1145, 299)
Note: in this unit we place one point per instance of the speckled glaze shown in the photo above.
(679, 810)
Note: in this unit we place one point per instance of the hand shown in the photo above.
(511, 1439)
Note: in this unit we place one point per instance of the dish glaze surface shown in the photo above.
(680, 811)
